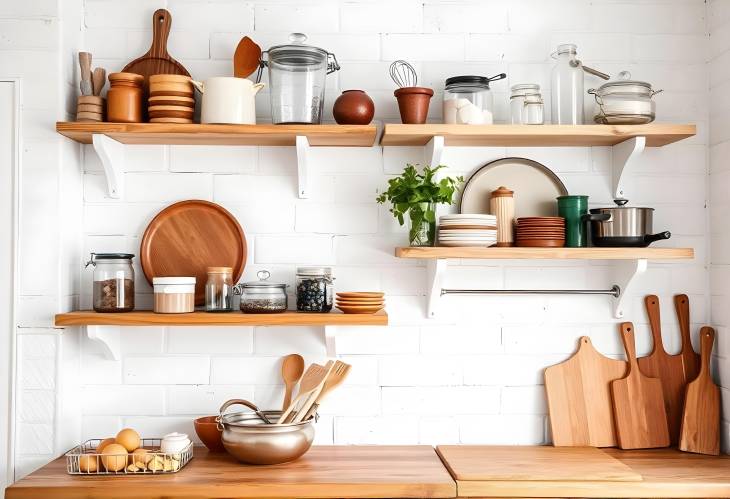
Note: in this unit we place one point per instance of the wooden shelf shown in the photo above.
(149, 318)
(546, 253)
(229, 135)
(657, 134)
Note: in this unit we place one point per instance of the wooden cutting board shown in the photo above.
(187, 237)
(669, 369)
(579, 398)
(700, 431)
(638, 403)
(690, 360)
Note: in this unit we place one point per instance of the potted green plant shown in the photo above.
(417, 195)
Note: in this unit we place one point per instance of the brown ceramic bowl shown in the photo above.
(207, 430)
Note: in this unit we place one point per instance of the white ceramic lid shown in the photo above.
(173, 280)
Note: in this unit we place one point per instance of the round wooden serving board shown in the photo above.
(187, 237)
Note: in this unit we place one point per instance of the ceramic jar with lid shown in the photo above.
(263, 296)
(124, 98)
(174, 295)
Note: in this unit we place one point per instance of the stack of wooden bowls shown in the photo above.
(540, 232)
(90, 108)
(363, 302)
(171, 99)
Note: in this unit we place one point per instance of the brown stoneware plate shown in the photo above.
(541, 243)
(187, 237)
(360, 309)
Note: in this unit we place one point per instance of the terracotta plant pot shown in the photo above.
(353, 107)
(413, 104)
(208, 433)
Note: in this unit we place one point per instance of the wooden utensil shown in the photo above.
(667, 368)
(690, 360)
(292, 369)
(85, 65)
(338, 374)
(310, 384)
(246, 58)
(700, 431)
(187, 237)
(98, 78)
(579, 398)
(638, 403)
(157, 60)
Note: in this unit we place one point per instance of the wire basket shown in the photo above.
(154, 462)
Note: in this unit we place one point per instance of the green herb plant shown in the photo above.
(417, 194)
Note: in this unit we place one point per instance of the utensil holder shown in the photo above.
(413, 104)
(90, 108)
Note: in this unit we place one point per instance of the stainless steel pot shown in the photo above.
(250, 440)
(623, 226)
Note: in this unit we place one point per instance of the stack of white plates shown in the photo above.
(467, 230)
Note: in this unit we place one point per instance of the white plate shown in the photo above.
(535, 187)
(465, 244)
(468, 216)
(467, 239)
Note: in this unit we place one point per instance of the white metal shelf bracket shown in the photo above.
(435, 272)
(624, 156)
(330, 340)
(112, 156)
(626, 274)
(108, 338)
(434, 150)
(303, 166)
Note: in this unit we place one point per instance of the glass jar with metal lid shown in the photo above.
(113, 282)
(297, 75)
(315, 289)
(262, 296)
(526, 105)
(468, 100)
(624, 101)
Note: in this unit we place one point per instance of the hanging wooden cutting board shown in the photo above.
(638, 403)
(579, 398)
(668, 368)
(690, 360)
(700, 431)
(187, 237)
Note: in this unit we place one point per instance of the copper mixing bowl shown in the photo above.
(207, 430)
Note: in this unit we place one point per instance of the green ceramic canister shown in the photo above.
(573, 209)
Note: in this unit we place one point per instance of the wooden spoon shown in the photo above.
(335, 379)
(311, 382)
(292, 369)
(98, 79)
(246, 58)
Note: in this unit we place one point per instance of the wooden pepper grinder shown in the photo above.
(502, 205)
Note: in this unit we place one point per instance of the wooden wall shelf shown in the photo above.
(545, 253)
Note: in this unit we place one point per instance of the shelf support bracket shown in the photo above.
(111, 154)
(435, 272)
(627, 272)
(302, 166)
(330, 340)
(624, 156)
(108, 338)
(434, 150)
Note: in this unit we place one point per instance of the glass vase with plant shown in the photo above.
(417, 194)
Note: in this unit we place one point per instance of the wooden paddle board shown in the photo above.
(690, 359)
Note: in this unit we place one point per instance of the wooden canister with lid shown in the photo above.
(502, 205)
(124, 98)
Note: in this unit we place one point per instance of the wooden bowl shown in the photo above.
(207, 430)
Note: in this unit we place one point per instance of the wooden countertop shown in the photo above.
(325, 472)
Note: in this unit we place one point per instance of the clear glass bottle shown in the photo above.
(567, 87)
(113, 282)
(219, 290)
(315, 289)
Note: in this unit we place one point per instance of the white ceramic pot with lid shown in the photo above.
(227, 99)
(174, 295)
(624, 101)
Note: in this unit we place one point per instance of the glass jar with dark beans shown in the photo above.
(315, 289)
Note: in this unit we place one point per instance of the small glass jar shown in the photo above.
(315, 289)
(113, 282)
(174, 295)
(468, 100)
(526, 104)
(263, 297)
(219, 290)
(124, 98)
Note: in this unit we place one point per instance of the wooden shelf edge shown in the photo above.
(545, 253)
(149, 318)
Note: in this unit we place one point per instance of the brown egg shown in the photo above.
(114, 457)
(104, 443)
(141, 456)
(87, 463)
(129, 439)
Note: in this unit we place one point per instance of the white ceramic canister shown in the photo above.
(174, 295)
(227, 99)
(174, 443)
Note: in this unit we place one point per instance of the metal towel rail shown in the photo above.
(615, 291)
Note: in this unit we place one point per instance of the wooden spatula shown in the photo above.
(312, 380)
(690, 359)
(85, 65)
(98, 79)
(700, 431)
(638, 403)
(336, 377)
(246, 58)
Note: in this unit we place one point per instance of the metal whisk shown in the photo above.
(403, 74)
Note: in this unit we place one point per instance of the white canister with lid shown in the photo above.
(174, 295)
(174, 443)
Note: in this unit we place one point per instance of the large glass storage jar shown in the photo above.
(315, 289)
(219, 290)
(468, 100)
(624, 101)
(297, 75)
(262, 296)
(113, 282)
(566, 92)
(526, 106)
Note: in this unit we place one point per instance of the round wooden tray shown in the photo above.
(187, 237)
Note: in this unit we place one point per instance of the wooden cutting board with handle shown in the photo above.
(579, 398)
(700, 431)
(638, 403)
(690, 359)
(669, 369)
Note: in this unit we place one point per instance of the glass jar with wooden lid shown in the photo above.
(219, 290)
(124, 98)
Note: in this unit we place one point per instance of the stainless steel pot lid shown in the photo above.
(620, 205)
(263, 283)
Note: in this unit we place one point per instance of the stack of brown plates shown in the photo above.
(363, 302)
(171, 99)
(90, 108)
(540, 232)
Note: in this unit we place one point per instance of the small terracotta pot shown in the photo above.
(208, 433)
(353, 107)
(413, 104)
